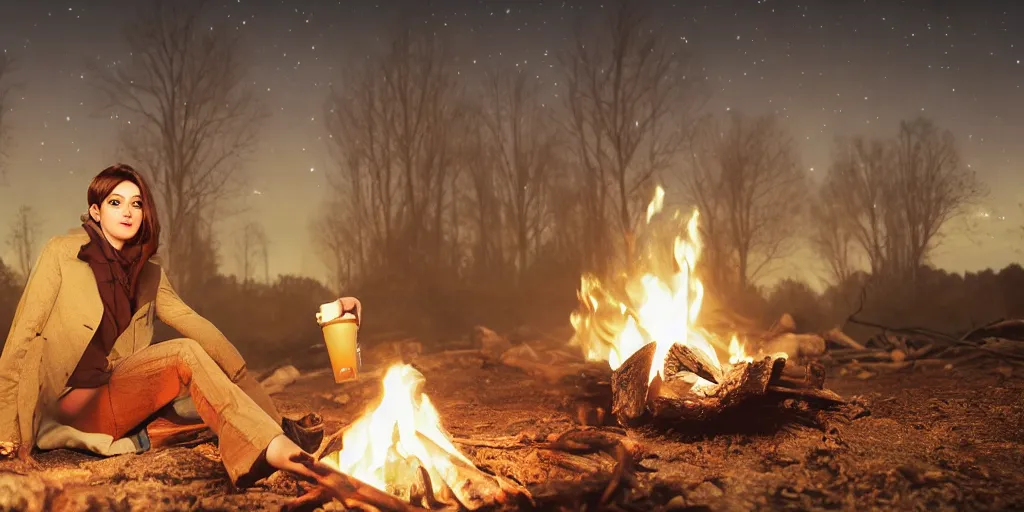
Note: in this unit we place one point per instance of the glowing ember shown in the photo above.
(387, 446)
(659, 302)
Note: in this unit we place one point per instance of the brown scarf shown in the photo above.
(116, 273)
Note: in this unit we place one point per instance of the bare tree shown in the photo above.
(629, 99)
(337, 237)
(858, 188)
(521, 143)
(831, 239)
(896, 195)
(6, 66)
(392, 126)
(482, 213)
(934, 186)
(252, 249)
(190, 117)
(22, 240)
(749, 188)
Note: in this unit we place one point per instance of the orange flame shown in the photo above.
(660, 306)
(387, 445)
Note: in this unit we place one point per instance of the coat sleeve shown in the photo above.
(173, 311)
(29, 318)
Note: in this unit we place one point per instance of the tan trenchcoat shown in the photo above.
(55, 320)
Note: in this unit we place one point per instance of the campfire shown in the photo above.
(646, 325)
(400, 447)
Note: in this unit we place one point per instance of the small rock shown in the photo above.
(489, 341)
(898, 356)
(789, 493)
(280, 379)
(705, 492)
(865, 375)
(676, 503)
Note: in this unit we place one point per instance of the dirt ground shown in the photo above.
(934, 440)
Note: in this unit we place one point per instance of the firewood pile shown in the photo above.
(674, 397)
(627, 396)
(903, 349)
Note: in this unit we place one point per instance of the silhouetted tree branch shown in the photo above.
(190, 117)
(521, 147)
(630, 94)
(6, 67)
(750, 190)
(893, 197)
(252, 249)
(23, 238)
(392, 126)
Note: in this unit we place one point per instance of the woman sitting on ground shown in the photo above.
(79, 368)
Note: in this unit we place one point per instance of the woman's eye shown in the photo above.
(137, 204)
(114, 202)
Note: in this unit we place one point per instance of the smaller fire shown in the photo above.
(737, 352)
(400, 447)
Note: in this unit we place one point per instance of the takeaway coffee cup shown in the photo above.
(340, 334)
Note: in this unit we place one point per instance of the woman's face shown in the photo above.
(120, 215)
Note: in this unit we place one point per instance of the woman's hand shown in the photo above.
(352, 305)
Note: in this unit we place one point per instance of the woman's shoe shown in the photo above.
(307, 431)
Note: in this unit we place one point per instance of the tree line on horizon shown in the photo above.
(496, 193)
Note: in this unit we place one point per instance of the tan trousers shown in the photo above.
(241, 414)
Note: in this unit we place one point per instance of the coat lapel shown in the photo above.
(84, 292)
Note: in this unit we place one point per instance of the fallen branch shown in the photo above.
(840, 338)
(334, 484)
(805, 393)
(1006, 329)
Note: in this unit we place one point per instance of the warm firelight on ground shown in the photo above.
(658, 303)
(388, 444)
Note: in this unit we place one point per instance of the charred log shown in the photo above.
(741, 383)
(681, 358)
(809, 376)
(630, 385)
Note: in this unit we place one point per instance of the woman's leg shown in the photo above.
(146, 381)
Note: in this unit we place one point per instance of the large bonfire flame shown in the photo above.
(658, 302)
(400, 447)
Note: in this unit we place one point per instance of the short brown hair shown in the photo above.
(107, 180)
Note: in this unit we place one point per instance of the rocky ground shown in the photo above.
(936, 440)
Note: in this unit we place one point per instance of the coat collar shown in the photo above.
(82, 282)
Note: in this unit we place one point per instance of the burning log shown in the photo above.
(682, 358)
(630, 385)
(664, 364)
(352, 492)
(741, 383)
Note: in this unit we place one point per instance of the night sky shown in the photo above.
(829, 68)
